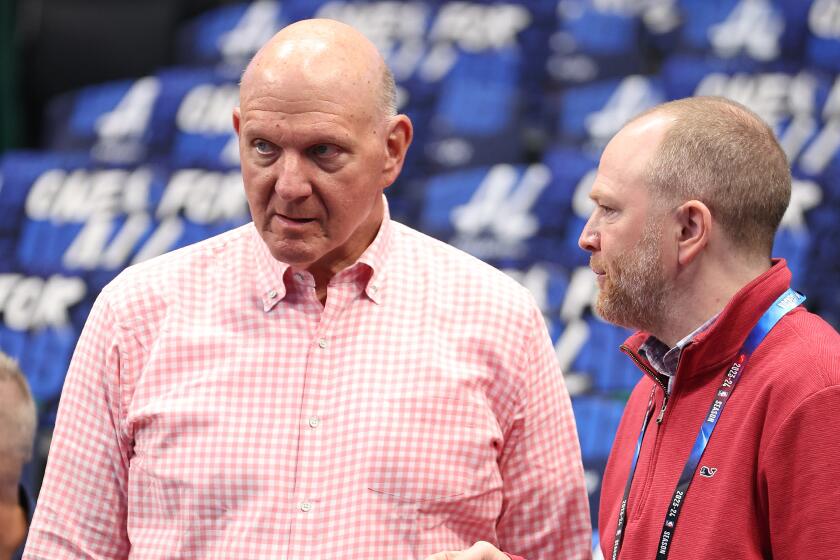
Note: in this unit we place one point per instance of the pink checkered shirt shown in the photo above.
(214, 409)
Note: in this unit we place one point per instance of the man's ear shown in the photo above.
(237, 119)
(695, 227)
(399, 133)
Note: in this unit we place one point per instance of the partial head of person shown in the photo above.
(688, 198)
(18, 421)
(319, 142)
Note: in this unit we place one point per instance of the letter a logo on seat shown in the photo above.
(708, 472)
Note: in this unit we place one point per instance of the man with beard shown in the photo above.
(688, 199)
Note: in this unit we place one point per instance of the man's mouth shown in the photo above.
(294, 219)
(595, 267)
(600, 274)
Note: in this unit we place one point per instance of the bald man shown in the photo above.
(323, 382)
(728, 447)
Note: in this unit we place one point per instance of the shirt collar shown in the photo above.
(376, 256)
(370, 267)
(664, 359)
(270, 287)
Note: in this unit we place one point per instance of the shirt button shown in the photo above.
(322, 342)
(314, 421)
(272, 294)
(305, 506)
(373, 289)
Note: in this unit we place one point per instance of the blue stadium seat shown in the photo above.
(93, 221)
(593, 42)
(230, 35)
(823, 38)
(611, 371)
(762, 30)
(504, 213)
(593, 113)
(794, 245)
(19, 170)
(199, 115)
(597, 420)
(39, 327)
(475, 120)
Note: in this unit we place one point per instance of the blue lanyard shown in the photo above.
(786, 302)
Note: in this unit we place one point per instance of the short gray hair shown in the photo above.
(389, 92)
(18, 415)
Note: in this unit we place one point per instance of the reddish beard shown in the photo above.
(634, 289)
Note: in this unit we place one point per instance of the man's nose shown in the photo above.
(292, 182)
(589, 239)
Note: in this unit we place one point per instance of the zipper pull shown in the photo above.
(662, 410)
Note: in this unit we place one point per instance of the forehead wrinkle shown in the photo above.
(310, 118)
(297, 93)
(272, 103)
(311, 133)
(299, 130)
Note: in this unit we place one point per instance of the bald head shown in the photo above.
(323, 53)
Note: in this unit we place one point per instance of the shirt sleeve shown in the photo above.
(800, 469)
(546, 509)
(81, 510)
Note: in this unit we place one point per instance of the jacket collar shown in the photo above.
(713, 348)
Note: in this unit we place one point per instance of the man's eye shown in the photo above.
(262, 147)
(606, 209)
(324, 150)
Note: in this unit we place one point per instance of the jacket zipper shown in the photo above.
(642, 495)
(626, 349)
(662, 410)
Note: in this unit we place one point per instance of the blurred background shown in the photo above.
(117, 146)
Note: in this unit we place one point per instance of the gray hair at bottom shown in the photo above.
(19, 418)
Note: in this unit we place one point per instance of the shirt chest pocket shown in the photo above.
(434, 459)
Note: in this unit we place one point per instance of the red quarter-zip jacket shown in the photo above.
(772, 484)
